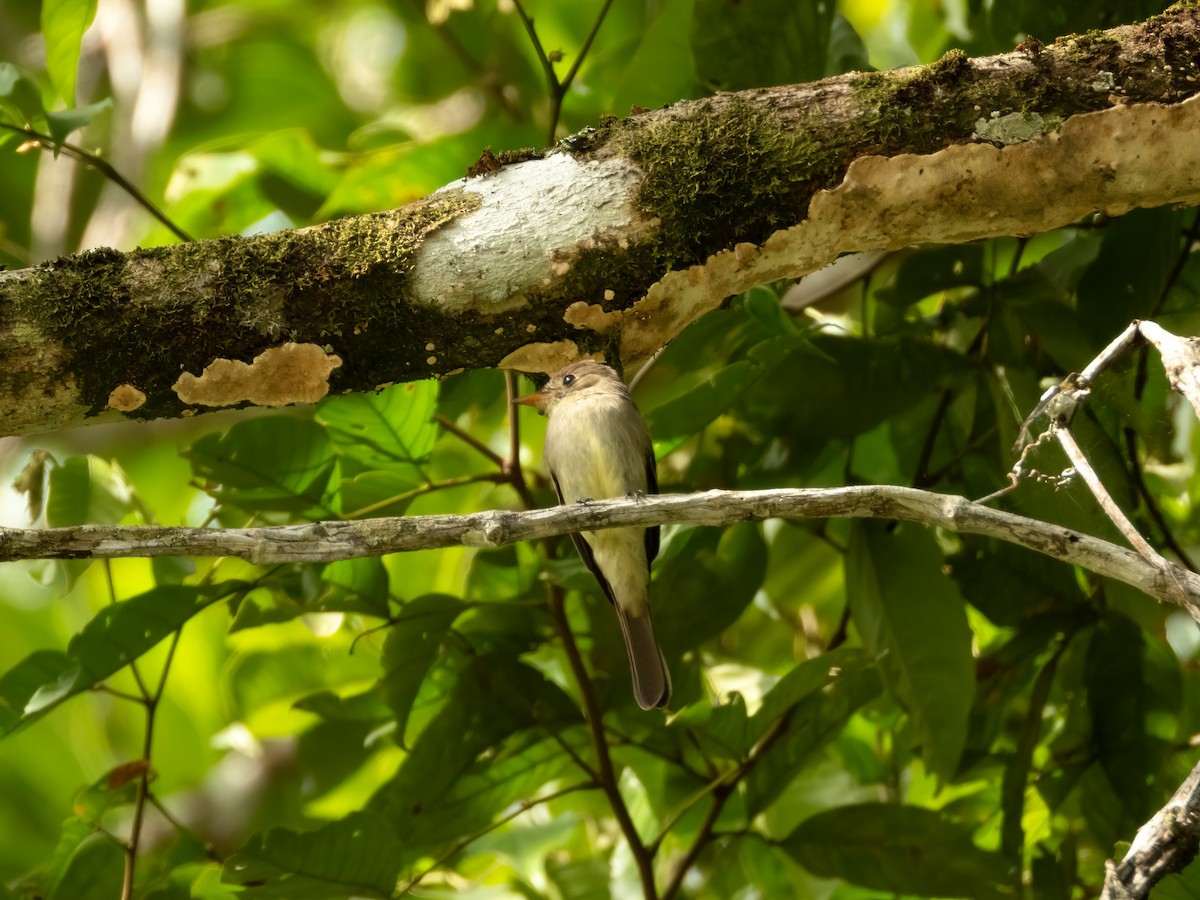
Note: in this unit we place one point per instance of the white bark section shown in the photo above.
(533, 215)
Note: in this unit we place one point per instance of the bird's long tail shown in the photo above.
(651, 680)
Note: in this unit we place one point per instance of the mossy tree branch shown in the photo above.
(619, 237)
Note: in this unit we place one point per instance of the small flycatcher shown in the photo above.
(597, 447)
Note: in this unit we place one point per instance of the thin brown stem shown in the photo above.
(512, 467)
(604, 767)
(556, 88)
(102, 166)
(703, 837)
(143, 787)
(471, 441)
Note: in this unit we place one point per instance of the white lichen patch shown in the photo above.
(487, 259)
(290, 373)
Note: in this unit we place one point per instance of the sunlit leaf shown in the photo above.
(20, 99)
(384, 430)
(411, 648)
(63, 25)
(273, 463)
(117, 636)
(811, 723)
(86, 490)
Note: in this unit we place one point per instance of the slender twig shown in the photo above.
(143, 788)
(556, 88)
(721, 793)
(209, 850)
(523, 807)
(1152, 507)
(512, 466)
(112, 599)
(604, 767)
(1114, 512)
(431, 487)
(471, 441)
(104, 167)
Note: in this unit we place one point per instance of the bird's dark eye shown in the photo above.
(568, 379)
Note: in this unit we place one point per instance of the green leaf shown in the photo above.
(85, 866)
(117, 636)
(354, 585)
(742, 45)
(394, 426)
(808, 726)
(411, 648)
(934, 269)
(661, 69)
(1116, 677)
(911, 616)
(62, 122)
(20, 683)
(493, 698)
(355, 856)
(702, 587)
(270, 464)
(20, 99)
(900, 850)
(63, 25)
(86, 490)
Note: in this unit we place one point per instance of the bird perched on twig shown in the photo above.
(597, 447)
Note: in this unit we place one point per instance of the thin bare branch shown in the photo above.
(333, 540)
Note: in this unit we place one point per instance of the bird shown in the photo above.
(597, 447)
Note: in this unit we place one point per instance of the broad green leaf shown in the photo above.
(912, 618)
(411, 648)
(494, 698)
(367, 706)
(578, 879)
(391, 428)
(380, 493)
(807, 727)
(63, 25)
(270, 464)
(117, 636)
(702, 588)
(86, 865)
(1127, 279)
(20, 683)
(62, 122)
(20, 99)
(1116, 696)
(691, 411)
(661, 69)
(86, 490)
(743, 45)
(899, 850)
(518, 772)
(356, 856)
(934, 269)
(354, 585)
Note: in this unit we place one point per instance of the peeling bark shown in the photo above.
(624, 234)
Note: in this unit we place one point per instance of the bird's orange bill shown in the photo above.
(531, 399)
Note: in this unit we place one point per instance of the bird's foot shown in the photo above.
(635, 495)
(585, 501)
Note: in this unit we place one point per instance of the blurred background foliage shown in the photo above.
(859, 709)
